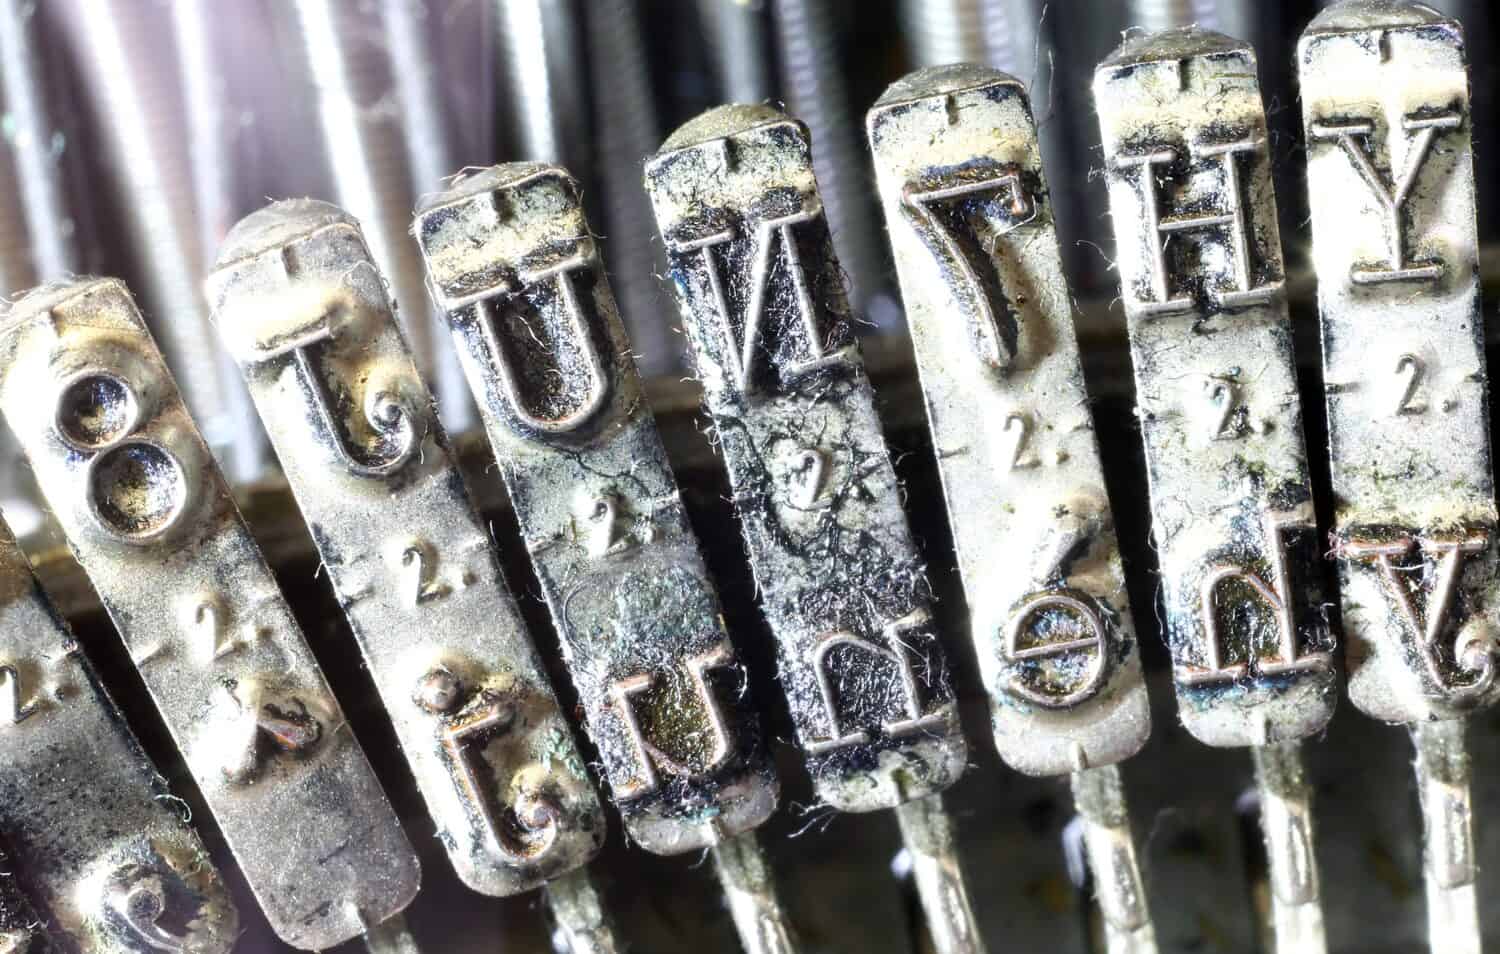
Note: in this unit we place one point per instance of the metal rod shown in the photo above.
(1109, 845)
(391, 936)
(582, 926)
(32, 136)
(429, 152)
(367, 153)
(1443, 779)
(928, 835)
(1286, 824)
(138, 100)
(750, 889)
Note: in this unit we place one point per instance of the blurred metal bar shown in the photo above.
(362, 114)
(428, 135)
(583, 925)
(815, 90)
(136, 89)
(391, 936)
(34, 144)
(544, 101)
(738, 34)
(625, 132)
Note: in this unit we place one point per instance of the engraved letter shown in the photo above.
(1230, 223)
(1278, 599)
(648, 756)
(994, 348)
(1428, 625)
(1392, 197)
(595, 393)
(771, 234)
(1095, 638)
(912, 720)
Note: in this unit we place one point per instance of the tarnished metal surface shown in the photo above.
(301, 305)
(991, 323)
(971, 223)
(1391, 182)
(665, 696)
(841, 584)
(1385, 97)
(1199, 257)
(583, 925)
(110, 856)
(149, 516)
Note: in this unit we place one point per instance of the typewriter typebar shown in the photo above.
(1200, 273)
(1396, 247)
(991, 321)
(840, 582)
(666, 698)
(1200, 267)
(112, 861)
(150, 519)
(511, 258)
(299, 302)
(1391, 183)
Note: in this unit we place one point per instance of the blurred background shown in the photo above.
(136, 132)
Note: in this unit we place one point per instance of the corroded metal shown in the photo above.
(301, 305)
(991, 321)
(150, 518)
(511, 260)
(840, 580)
(1391, 183)
(1199, 256)
(1201, 277)
(1385, 96)
(583, 922)
(111, 861)
(971, 224)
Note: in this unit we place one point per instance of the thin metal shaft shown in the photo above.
(1109, 845)
(366, 151)
(542, 85)
(1443, 775)
(928, 835)
(32, 137)
(750, 889)
(203, 82)
(739, 40)
(815, 93)
(429, 152)
(1286, 824)
(582, 926)
(138, 102)
(391, 936)
(625, 129)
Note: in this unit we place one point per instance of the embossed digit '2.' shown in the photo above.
(912, 718)
(136, 488)
(944, 215)
(649, 756)
(136, 901)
